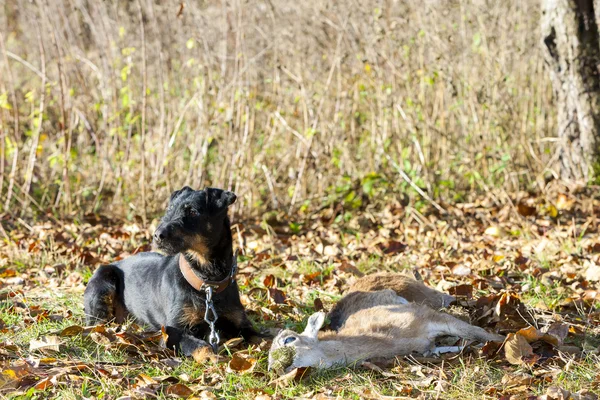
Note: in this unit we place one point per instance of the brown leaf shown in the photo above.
(351, 269)
(559, 331)
(233, 342)
(269, 281)
(490, 349)
(461, 291)
(526, 210)
(145, 379)
(179, 390)
(277, 296)
(531, 334)
(517, 349)
(72, 330)
(517, 379)
(241, 364)
(393, 247)
(312, 277)
(49, 343)
(44, 384)
(100, 338)
(164, 336)
(318, 304)
(294, 375)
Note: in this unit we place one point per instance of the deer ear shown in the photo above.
(314, 324)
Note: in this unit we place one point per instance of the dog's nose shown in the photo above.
(160, 234)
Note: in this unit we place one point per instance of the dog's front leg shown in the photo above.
(184, 342)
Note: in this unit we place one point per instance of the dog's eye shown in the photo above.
(289, 340)
(192, 212)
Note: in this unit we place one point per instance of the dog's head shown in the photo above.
(194, 222)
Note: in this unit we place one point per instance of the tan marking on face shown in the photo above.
(198, 250)
(191, 316)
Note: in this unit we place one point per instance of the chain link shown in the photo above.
(210, 317)
(210, 314)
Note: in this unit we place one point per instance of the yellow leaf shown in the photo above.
(552, 211)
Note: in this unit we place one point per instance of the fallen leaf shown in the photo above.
(49, 343)
(517, 350)
(269, 281)
(559, 331)
(461, 291)
(526, 210)
(495, 231)
(146, 379)
(277, 296)
(461, 270)
(295, 375)
(73, 330)
(351, 269)
(318, 304)
(44, 384)
(564, 203)
(241, 364)
(233, 342)
(179, 390)
(393, 247)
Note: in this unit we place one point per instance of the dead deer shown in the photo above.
(360, 295)
(396, 329)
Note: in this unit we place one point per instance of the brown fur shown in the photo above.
(362, 295)
(404, 286)
(121, 313)
(115, 310)
(379, 331)
(191, 316)
(356, 301)
(198, 250)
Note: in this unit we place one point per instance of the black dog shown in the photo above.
(169, 290)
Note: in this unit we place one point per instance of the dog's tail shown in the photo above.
(101, 299)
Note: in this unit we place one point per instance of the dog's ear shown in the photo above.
(176, 193)
(219, 199)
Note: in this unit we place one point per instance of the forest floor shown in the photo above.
(526, 267)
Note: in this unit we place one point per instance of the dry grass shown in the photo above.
(110, 105)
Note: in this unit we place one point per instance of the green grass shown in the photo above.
(466, 376)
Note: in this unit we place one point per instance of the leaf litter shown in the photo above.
(527, 269)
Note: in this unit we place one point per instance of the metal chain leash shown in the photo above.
(210, 314)
(210, 317)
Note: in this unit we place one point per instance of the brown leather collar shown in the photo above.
(200, 284)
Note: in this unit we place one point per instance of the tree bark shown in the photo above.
(572, 53)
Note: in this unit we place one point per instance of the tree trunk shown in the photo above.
(572, 53)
